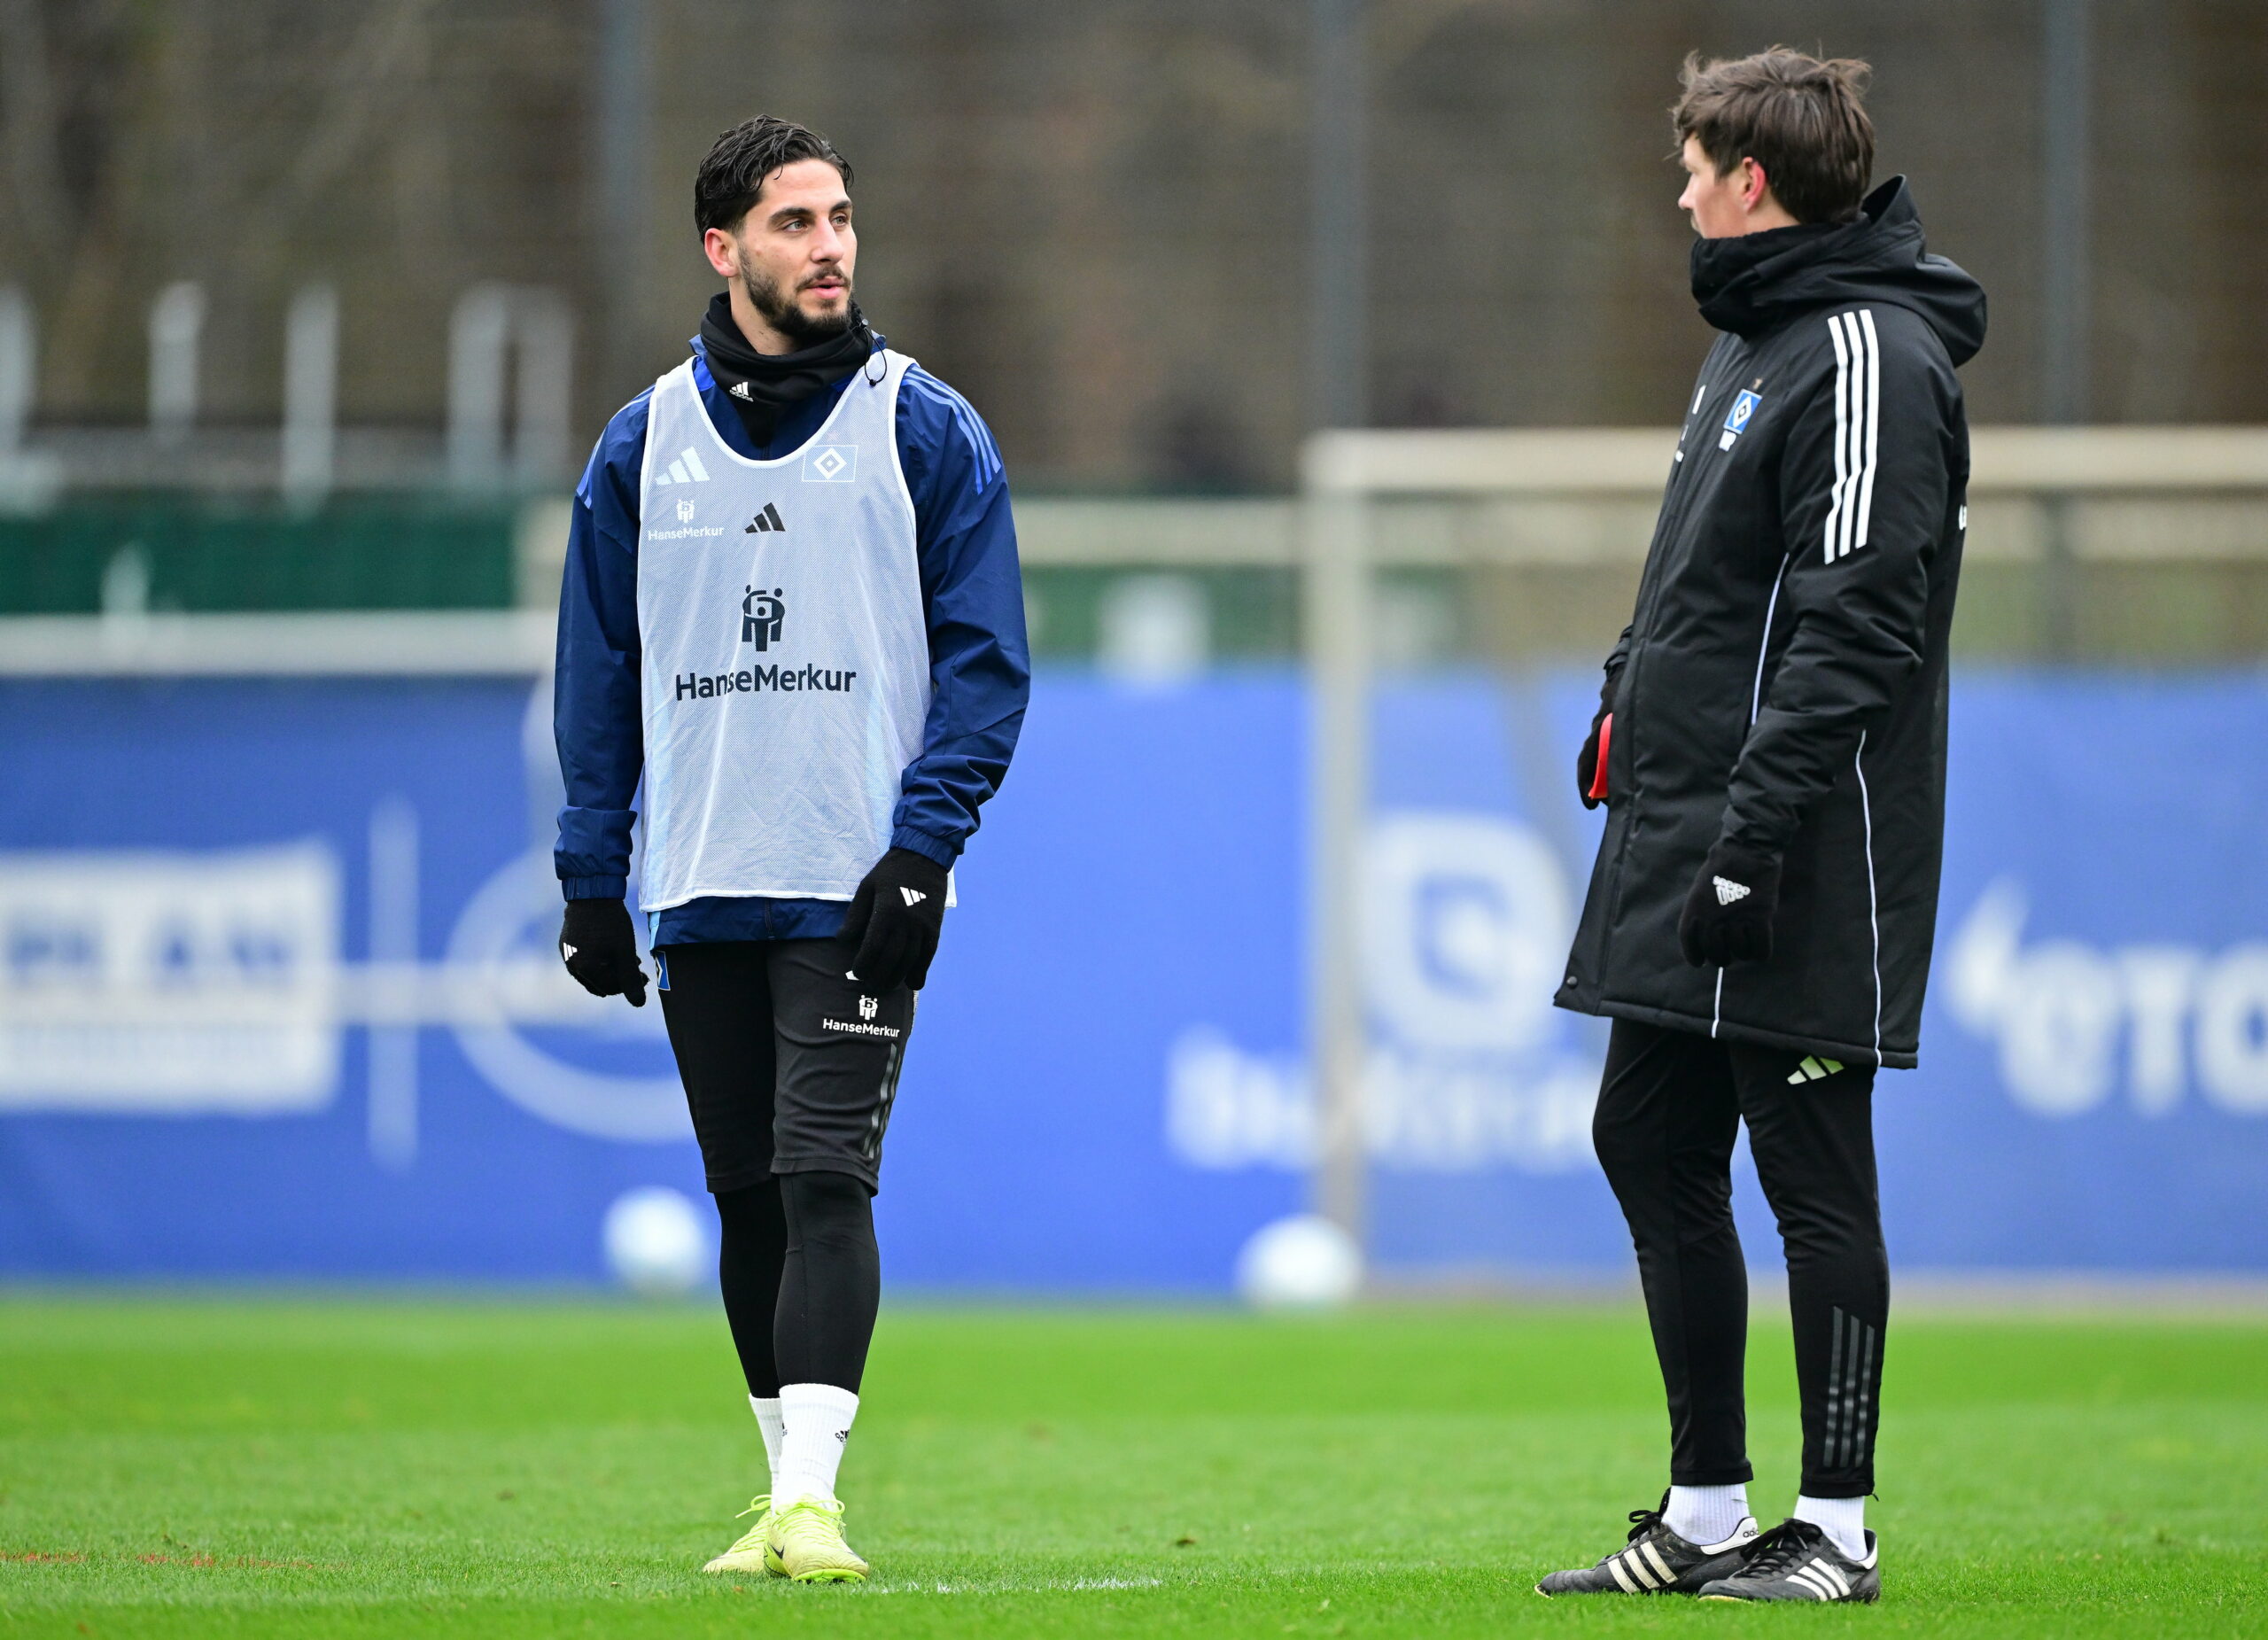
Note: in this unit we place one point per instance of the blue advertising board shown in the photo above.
(279, 997)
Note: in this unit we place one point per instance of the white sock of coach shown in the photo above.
(1843, 1519)
(768, 1419)
(1705, 1514)
(818, 1426)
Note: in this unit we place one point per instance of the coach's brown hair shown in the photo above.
(1804, 120)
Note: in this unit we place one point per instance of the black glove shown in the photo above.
(1727, 917)
(1586, 759)
(895, 917)
(600, 948)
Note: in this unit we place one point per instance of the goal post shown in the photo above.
(1344, 478)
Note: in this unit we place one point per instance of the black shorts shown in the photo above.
(787, 1065)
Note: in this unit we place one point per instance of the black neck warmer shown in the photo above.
(762, 385)
(1754, 283)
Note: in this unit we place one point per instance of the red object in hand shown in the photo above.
(1598, 769)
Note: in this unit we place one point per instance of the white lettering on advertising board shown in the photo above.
(2069, 1017)
(168, 984)
(1465, 922)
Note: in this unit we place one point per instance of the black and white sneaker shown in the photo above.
(1655, 1561)
(1795, 1560)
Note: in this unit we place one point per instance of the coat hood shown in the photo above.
(1758, 282)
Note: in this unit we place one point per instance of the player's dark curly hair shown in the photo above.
(742, 159)
(1802, 120)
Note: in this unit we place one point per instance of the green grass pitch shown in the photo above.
(314, 1466)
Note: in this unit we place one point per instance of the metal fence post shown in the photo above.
(310, 395)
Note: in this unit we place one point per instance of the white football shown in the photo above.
(1301, 1262)
(656, 1243)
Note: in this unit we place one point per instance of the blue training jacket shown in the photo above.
(972, 594)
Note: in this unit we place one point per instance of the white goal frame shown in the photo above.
(1341, 475)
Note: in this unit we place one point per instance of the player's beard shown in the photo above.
(783, 313)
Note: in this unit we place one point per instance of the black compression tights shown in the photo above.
(802, 1280)
(753, 1242)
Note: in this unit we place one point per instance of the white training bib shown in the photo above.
(786, 668)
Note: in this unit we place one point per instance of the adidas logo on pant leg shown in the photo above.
(1813, 1068)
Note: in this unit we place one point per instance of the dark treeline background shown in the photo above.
(1092, 218)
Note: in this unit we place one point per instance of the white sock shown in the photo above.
(1843, 1519)
(768, 1419)
(818, 1426)
(1705, 1514)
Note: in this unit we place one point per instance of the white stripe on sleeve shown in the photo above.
(1855, 383)
(1858, 418)
(1873, 420)
(1841, 435)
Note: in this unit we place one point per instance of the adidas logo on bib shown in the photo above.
(687, 469)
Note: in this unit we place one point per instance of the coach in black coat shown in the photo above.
(1773, 725)
(1779, 697)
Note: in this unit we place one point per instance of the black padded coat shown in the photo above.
(1781, 684)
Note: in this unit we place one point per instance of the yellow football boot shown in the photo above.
(752, 1553)
(807, 1538)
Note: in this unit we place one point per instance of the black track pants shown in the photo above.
(790, 1074)
(1668, 1112)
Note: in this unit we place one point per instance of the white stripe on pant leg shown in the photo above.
(1862, 1363)
(1838, 1376)
(1840, 1448)
(1834, 1391)
(1840, 1456)
(1862, 1439)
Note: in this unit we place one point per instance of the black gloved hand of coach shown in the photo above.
(600, 947)
(1727, 917)
(895, 917)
